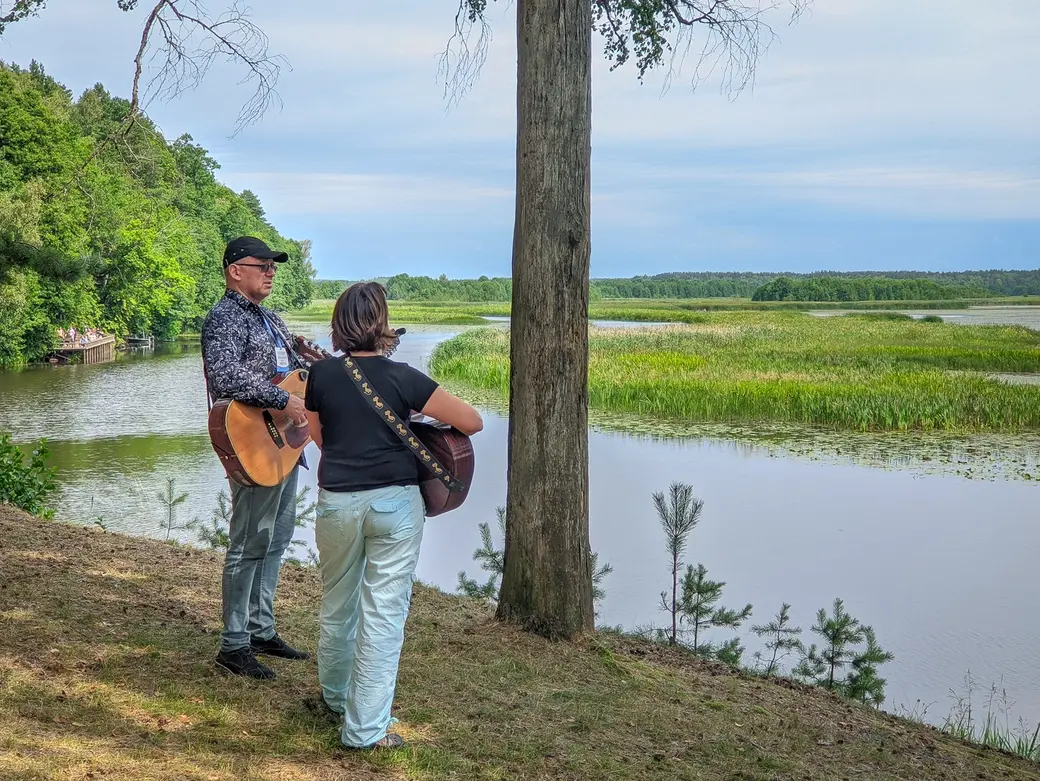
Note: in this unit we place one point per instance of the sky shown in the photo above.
(878, 134)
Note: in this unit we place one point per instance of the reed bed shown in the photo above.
(859, 371)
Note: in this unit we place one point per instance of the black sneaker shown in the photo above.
(276, 646)
(243, 662)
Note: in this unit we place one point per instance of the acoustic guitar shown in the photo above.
(260, 447)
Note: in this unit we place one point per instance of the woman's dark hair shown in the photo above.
(360, 321)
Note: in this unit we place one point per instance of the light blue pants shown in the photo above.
(263, 521)
(368, 546)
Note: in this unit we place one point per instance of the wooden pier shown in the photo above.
(98, 351)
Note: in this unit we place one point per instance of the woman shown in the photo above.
(370, 512)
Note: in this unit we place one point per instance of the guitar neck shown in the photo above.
(309, 352)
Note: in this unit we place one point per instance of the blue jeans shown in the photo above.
(368, 546)
(262, 524)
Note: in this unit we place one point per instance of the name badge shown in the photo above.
(281, 357)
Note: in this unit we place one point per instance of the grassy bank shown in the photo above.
(106, 666)
(864, 372)
(644, 309)
(417, 313)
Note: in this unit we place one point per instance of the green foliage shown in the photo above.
(842, 636)
(214, 533)
(837, 286)
(306, 513)
(863, 289)
(782, 640)
(329, 288)
(26, 482)
(111, 226)
(19, 9)
(492, 560)
(699, 611)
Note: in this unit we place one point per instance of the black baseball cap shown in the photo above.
(251, 247)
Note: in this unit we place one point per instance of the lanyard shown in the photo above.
(281, 354)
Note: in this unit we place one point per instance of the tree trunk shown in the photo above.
(547, 583)
(675, 596)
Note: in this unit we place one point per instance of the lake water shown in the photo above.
(931, 540)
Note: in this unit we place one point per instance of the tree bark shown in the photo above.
(547, 582)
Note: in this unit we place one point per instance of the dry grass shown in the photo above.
(106, 669)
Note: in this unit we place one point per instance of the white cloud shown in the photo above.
(885, 108)
(351, 193)
(910, 191)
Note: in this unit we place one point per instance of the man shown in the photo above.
(243, 346)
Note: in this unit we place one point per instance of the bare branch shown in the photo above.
(461, 66)
(186, 41)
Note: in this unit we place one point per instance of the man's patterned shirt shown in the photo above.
(239, 352)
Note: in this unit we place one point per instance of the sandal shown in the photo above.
(389, 740)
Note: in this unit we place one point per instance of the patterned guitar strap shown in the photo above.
(400, 427)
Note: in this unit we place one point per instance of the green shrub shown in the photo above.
(25, 483)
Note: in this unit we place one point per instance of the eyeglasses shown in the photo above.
(267, 268)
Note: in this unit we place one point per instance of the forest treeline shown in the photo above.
(108, 227)
(817, 286)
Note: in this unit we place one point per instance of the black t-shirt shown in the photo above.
(359, 451)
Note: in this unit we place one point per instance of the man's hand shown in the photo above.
(297, 411)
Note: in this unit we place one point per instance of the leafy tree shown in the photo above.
(679, 514)
(252, 202)
(842, 634)
(124, 235)
(783, 639)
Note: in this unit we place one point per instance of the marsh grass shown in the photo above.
(106, 666)
(987, 722)
(862, 372)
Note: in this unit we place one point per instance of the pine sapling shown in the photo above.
(215, 534)
(842, 634)
(171, 500)
(679, 514)
(699, 612)
(783, 639)
(493, 561)
(863, 683)
(305, 516)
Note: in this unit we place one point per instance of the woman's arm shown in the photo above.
(314, 422)
(454, 411)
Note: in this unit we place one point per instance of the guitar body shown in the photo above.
(258, 447)
(454, 451)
